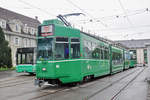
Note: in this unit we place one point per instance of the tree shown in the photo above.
(5, 51)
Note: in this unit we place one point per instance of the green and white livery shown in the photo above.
(25, 59)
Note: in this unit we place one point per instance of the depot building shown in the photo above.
(139, 47)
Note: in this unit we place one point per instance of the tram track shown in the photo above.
(14, 82)
(113, 83)
(13, 78)
(97, 81)
(46, 93)
(49, 92)
(40, 91)
(115, 96)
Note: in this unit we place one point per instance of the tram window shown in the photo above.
(23, 59)
(61, 39)
(87, 53)
(133, 55)
(96, 53)
(87, 49)
(29, 58)
(117, 58)
(61, 48)
(62, 51)
(75, 50)
(105, 54)
(44, 50)
(127, 57)
(75, 40)
(102, 53)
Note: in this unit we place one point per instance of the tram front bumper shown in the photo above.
(38, 82)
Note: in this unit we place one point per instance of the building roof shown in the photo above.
(10, 15)
(139, 43)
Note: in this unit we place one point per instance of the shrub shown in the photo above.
(5, 51)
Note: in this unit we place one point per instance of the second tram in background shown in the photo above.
(25, 59)
(133, 58)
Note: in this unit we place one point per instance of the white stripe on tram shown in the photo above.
(70, 60)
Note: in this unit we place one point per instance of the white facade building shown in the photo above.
(20, 31)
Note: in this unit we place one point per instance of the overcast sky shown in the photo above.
(112, 19)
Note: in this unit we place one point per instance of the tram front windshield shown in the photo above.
(44, 49)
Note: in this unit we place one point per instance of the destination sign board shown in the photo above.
(46, 30)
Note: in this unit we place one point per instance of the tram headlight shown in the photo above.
(44, 69)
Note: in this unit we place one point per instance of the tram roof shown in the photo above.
(60, 23)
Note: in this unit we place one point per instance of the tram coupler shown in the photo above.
(38, 82)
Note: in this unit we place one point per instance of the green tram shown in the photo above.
(127, 58)
(132, 58)
(145, 57)
(25, 59)
(67, 55)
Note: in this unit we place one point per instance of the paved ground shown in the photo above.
(102, 89)
(137, 90)
(5, 74)
(14, 86)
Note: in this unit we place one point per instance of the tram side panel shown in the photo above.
(126, 59)
(117, 59)
(133, 58)
(95, 57)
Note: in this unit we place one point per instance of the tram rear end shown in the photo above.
(25, 59)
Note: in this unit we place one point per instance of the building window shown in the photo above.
(7, 37)
(3, 23)
(35, 32)
(25, 28)
(33, 43)
(18, 28)
(30, 43)
(24, 42)
(16, 41)
(32, 31)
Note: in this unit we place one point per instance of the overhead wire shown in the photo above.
(33, 6)
(124, 10)
(124, 28)
(128, 35)
(117, 16)
(136, 12)
(69, 1)
(125, 13)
